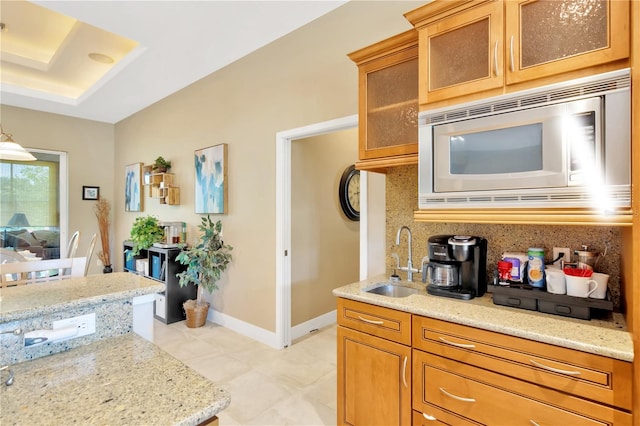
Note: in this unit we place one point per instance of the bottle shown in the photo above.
(535, 267)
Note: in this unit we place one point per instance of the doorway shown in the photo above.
(283, 223)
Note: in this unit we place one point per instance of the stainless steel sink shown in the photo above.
(392, 290)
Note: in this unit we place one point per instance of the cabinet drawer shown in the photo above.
(490, 398)
(578, 373)
(382, 322)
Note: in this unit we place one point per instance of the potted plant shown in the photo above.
(145, 231)
(205, 263)
(161, 165)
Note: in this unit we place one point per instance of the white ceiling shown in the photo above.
(174, 43)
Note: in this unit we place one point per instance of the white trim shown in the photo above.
(364, 225)
(244, 328)
(283, 216)
(316, 323)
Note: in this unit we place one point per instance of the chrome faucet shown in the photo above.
(409, 268)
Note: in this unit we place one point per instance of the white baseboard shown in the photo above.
(316, 323)
(244, 328)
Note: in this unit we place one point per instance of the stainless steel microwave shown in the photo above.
(563, 145)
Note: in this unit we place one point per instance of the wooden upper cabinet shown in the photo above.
(461, 54)
(388, 101)
(473, 46)
(545, 37)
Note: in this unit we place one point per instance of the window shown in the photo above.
(33, 200)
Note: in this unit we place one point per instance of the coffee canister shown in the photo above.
(535, 267)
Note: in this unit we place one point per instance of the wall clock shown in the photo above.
(349, 193)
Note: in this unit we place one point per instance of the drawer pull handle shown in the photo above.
(428, 417)
(404, 372)
(459, 398)
(533, 422)
(460, 345)
(370, 321)
(555, 370)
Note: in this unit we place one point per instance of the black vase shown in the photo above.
(107, 269)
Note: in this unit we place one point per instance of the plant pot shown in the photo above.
(196, 314)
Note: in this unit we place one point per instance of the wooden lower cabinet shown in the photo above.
(451, 374)
(374, 380)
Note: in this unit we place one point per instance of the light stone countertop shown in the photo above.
(120, 381)
(601, 337)
(26, 301)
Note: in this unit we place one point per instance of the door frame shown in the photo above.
(283, 217)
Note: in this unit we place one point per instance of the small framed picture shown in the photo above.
(90, 192)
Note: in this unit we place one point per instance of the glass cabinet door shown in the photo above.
(392, 106)
(547, 37)
(462, 54)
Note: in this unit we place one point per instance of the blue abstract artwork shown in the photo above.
(132, 188)
(211, 179)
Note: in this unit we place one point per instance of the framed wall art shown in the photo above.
(90, 192)
(211, 179)
(133, 188)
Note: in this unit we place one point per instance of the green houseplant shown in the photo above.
(205, 262)
(145, 231)
(161, 165)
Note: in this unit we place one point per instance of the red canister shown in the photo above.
(504, 271)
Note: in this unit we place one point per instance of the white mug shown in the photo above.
(556, 282)
(580, 286)
(601, 290)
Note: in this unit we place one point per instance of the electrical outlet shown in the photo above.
(86, 324)
(565, 251)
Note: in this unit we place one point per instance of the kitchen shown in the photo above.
(515, 227)
(134, 138)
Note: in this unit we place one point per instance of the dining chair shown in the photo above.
(92, 245)
(40, 271)
(73, 244)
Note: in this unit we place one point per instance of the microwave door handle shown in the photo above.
(495, 59)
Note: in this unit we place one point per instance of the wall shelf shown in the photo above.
(161, 186)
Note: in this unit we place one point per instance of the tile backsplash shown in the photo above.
(402, 201)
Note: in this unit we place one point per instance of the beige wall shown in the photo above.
(325, 245)
(301, 79)
(89, 147)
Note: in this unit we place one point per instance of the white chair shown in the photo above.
(92, 245)
(73, 244)
(40, 271)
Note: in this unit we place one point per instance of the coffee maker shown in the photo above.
(457, 266)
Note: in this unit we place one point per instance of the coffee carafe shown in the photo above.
(457, 266)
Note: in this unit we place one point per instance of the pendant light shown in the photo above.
(9, 150)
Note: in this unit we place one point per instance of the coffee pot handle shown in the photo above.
(425, 267)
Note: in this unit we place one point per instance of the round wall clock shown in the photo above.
(349, 193)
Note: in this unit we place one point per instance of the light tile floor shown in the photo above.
(293, 386)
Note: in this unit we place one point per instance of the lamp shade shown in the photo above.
(13, 151)
(18, 220)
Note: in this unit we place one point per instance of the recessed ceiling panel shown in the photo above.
(43, 50)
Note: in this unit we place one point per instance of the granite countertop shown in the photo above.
(602, 337)
(25, 301)
(120, 381)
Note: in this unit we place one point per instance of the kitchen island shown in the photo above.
(124, 380)
(113, 376)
